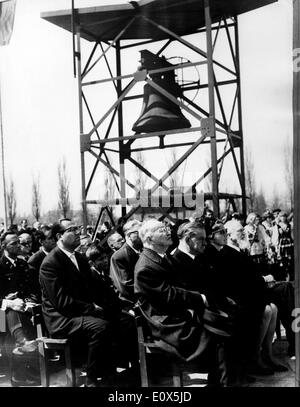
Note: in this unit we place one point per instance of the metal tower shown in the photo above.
(205, 33)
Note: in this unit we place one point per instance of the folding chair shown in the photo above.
(45, 344)
(148, 346)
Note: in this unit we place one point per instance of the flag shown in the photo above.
(7, 17)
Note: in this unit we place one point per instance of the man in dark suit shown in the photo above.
(123, 261)
(16, 282)
(173, 312)
(72, 304)
(238, 277)
(47, 242)
(18, 294)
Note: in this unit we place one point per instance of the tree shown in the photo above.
(64, 204)
(250, 180)
(260, 202)
(109, 189)
(174, 177)
(276, 199)
(36, 198)
(11, 202)
(288, 171)
(140, 176)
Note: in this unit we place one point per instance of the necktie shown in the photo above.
(74, 261)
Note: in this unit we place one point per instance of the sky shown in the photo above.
(40, 98)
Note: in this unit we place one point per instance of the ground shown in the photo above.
(285, 379)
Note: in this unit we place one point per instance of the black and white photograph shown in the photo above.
(149, 196)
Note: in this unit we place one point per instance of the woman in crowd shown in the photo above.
(283, 244)
(258, 242)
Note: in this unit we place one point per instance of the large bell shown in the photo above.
(158, 112)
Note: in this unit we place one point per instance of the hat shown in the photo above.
(218, 322)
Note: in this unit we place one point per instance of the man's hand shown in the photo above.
(12, 296)
(16, 304)
(269, 278)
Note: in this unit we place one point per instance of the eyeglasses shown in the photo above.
(74, 229)
(16, 243)
(221, 232)
(134, 232)
(164, 229)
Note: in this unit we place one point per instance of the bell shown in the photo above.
(158, 112)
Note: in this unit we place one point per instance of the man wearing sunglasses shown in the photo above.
(25, 246)
(71, 304)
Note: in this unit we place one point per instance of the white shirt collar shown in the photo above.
(67, 253)
(234, 247)
(192, 256)
(43, 250)
(9, 258)
(130, 245)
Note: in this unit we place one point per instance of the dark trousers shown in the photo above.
(20, 320)
(125, 340)
(96, 336)
(282, 295)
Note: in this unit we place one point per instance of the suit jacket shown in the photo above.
(16, 278)
(173, 312)
(68, 294)
(34, 264)
(237, 277)
(36, 259)
(191, 273)
(122, 265)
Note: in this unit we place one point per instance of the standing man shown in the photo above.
(72, 304)
(123, 261)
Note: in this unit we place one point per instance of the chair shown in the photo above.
(148, 346)
(45, 344)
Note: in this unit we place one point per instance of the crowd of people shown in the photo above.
(211, 291)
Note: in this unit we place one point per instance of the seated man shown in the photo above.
(18, 295)
(25, 246)
(47, 243)
(189, 270)
(174, 313)
(16, 282)
(98, 258)
(115, 241)
(237, 276)
(73, 305)
(122, 263)
(126, 344)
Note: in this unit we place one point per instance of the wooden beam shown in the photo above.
(296, 162)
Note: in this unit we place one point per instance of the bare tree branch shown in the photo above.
(140, 176)
(36, 198)
(11, 202)
(288, 171)
(64, 204)
(250, 180)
